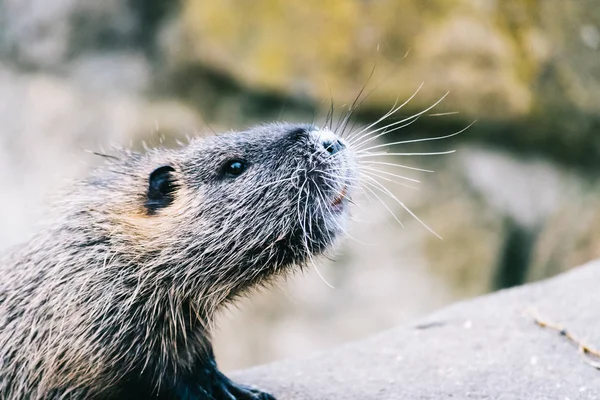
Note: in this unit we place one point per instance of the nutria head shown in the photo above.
(223, 213)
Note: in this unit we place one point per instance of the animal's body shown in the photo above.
(115, 299)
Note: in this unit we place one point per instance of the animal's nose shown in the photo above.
(328, 140)
(332, 145)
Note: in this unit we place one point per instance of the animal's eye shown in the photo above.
(233, 168)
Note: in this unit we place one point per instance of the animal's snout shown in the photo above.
(329, 141)
(323, 138)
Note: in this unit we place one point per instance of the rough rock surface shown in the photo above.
(487, 348)
(495, 56)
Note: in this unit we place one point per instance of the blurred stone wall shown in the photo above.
(518, 201)
(528, 68)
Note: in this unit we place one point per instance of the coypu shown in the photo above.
(115, 299)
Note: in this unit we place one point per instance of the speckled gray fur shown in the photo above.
(115, 298)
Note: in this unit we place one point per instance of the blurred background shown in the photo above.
(519, 201)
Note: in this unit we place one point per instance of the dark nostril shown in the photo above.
(333, 146)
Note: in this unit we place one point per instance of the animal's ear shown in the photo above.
(162, 185)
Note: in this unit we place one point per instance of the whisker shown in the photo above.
(365, 132)
(441, 114)
(397, 165)
(386, 191)
(363, 168)
(329, 118)
(335, 179)
(371, 134)
(389, 180)
(306, 213)
(422, 139)
(319, 272)
(385, 130)
(357, 145)
(391, 112)
(357, 102)
(306, 237)
(384, 204)
(433, 153)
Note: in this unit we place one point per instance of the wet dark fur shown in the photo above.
(115, 299)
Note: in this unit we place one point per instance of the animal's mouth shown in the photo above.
(340, 197)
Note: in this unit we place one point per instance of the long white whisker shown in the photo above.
(383, 203)
(306, 236)
(310, 257)
(386, 191)
(371, 135)
(352, 135)
(391, 112)
(389, 180)
(433, 153)
(441, 114)
(335, 179)
(396, 165)
(358, 145)
(363, 168)
(421, 140)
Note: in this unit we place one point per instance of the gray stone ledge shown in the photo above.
(485, 348)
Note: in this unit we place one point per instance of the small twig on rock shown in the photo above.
(585, 350)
